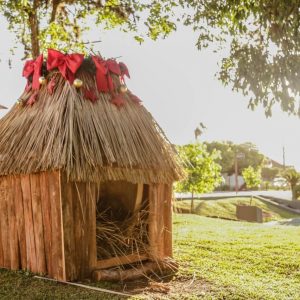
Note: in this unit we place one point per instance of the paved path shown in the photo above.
(285, 195)
(287, 222)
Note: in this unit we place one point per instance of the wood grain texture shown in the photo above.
(57, 253)
(120, 260)
(160, 220)
(153, 217)
(12, 222)
(29, 224)
(168, 246)
(4, 223)
(91, 192)
(19, 209)
(38, 222)
(47, 224)
(68, 229)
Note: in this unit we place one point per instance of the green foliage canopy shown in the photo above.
(263, 60)
(60, 24)
(228, 150)
(252, 177)
(293, 178)
(203, 173)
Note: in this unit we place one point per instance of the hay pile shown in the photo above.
(121, 236)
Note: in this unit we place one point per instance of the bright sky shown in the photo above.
(177, 84)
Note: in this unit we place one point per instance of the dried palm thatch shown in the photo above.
(91, 141)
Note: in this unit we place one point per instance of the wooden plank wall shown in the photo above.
(79, 223)
(31, 234)
(160, 220)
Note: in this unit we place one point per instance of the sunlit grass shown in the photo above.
(240, 260)
(226, 208)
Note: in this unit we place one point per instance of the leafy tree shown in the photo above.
(228, 151)
(203, 173)
(263, 35)
(252, 177)
(293, 178)
(60, 24)
(269, 174)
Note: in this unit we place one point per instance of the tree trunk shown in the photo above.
(192, 203)
(294, 196)
(34, 29)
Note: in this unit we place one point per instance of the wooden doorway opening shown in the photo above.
(122, 223)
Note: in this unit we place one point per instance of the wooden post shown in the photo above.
(47, 222)
(12, 220)
(38, 223)
(168, 249)
(57, 239)
(91, 225)
(19, 207)
(68, 224)
(153, 215)
(5, 226)
(29, 229)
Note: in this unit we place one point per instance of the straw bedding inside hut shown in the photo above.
(122, 227)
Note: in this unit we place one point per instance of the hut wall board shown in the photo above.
(79, 227)
(160, 220)
(31, 223)
(48, 225)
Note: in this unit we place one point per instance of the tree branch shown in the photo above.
(34, 29)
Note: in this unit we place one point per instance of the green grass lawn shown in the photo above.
(240, 260)
(226, 208)
(219, 259)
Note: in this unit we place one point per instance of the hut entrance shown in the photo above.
(122, 223)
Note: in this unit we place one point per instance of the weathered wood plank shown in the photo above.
(46, 213)
(19, 208)
(79, 203)
(160, 220)
(139, 196)
(4, 223)
(12, 221)
(91, 226)
(68, 225)
(57, 255)
(1, 247)
(38, 222)
(168, 247)
(29, 225)
(120, 260)
(153, 216)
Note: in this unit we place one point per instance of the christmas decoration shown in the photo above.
(32, 71)
(78, 83)
(90, 95)
(109, 75)
(32, 98)
(51, 85)
(118, 101)
(42, 80)
(123, 88)
(124, 70)
(67, 64)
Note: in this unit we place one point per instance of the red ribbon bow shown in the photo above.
(124, 70)
(104, 68)
(67, 64)
(33, 67)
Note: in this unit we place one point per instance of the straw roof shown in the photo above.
(90, 141)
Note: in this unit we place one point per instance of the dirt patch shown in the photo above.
(176, 288)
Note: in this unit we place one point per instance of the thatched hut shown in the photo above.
(76, 138)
